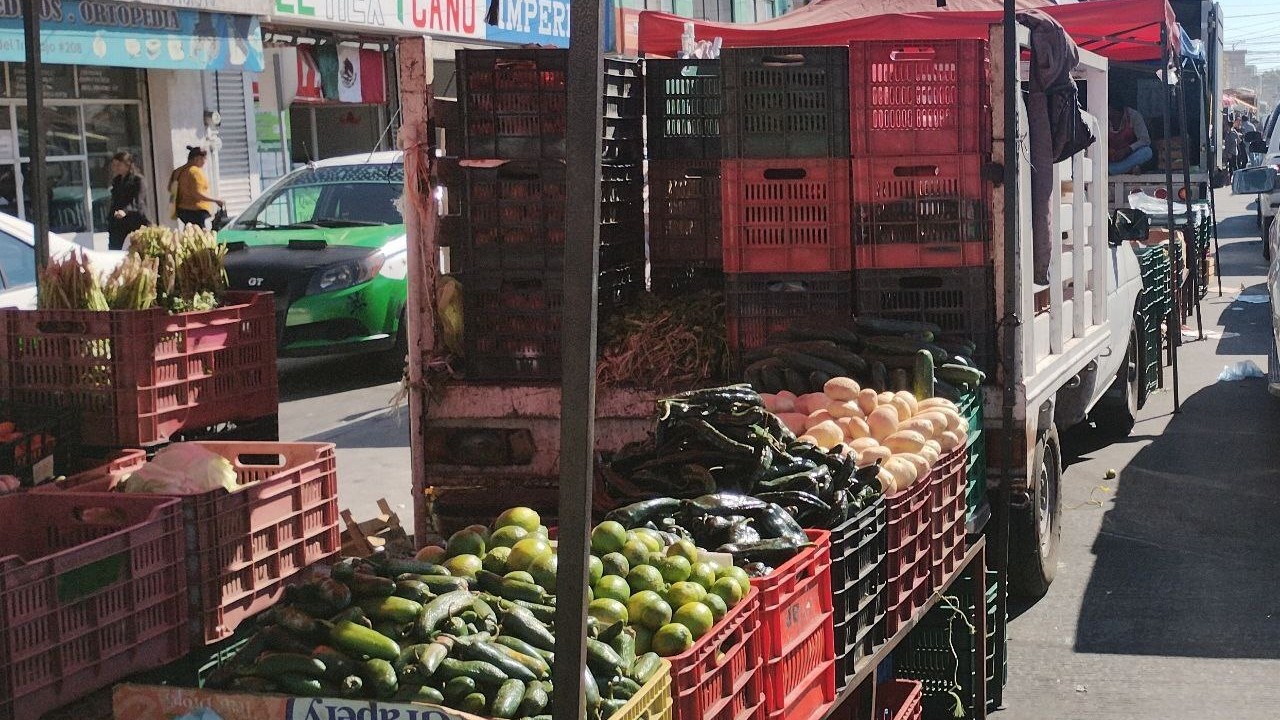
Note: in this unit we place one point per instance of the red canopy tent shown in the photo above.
(1127, 30)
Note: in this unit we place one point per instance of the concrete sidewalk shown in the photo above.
(1165, 604)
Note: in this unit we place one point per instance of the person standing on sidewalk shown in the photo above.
(128, 202)
(189, 190)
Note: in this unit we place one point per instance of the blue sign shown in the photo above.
(126, 34)
(530, 22)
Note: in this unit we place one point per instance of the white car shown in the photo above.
(18, 260)
(1269, 204)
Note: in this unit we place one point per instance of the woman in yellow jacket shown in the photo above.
(189, 188)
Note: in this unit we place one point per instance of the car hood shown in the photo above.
(363, 237)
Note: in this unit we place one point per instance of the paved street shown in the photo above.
(1165, 604)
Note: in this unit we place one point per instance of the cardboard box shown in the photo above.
(163, 702)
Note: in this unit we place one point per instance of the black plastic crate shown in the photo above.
(785, 102)
(684, 212)
(684, 109)
(961, 301)
(859, 576)
(857, 636)
(512, 327)
(40, 439)
(681, 280)
(513, 105)
(759, 304)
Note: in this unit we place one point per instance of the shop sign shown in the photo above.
(126, 34)
(535, 22)
(446, 18)
(235, 7)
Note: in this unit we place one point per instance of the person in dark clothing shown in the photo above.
(128, 201)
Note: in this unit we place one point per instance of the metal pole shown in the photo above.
(1175, 316)
(37, 192)
(578, 343)
(1010, 323)
(1192, 230)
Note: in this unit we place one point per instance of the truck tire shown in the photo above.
(1116, 413)
(1036, 531)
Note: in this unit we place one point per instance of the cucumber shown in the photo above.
(879, 377)
(413, 590)
(393, 609)
(922, 378)
(440, 609)
(337, 664)
(806, 364)
(457, 627)
(625, 645)
(623, 687)
(481, 672)
(359, 640)
(509, 588)
(944, 389)
(251, 684)
(410, 655)
(525, 648)
(771, 378)
(602, 659)
(506, 702)
(881, 326)
(473, 703)
(419, 694)
(270, 666)
(591, 689)
(403, 566)
(535, 699)
(611, 707)
(350, 686)
(645, 667)
(438, 584)
(903, 346)
(522, 624)
(301, 685)
(434, 655)
(363, 586)
(803, 331)
(474, 649)
(818, 380)
(534, 663)
(379, 678)
(899, 380)
(795, 381)
(961, 374)
(459, 687)
(484, 612)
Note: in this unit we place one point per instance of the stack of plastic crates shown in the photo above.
(977, 510)
(684, 115)
(784, 175)
(510, 257)
(1155, 302)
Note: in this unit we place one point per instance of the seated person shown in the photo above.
(1129, 144)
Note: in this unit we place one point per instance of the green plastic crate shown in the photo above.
(970, 407)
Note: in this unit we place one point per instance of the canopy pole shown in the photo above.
(578, 343)
(1174, 320)
(37, 194)
(1192, 230)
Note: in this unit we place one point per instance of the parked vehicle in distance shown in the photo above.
(18, 260)
(329, 241)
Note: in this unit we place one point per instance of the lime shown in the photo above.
(596, 569)
(507, 536)
(695, 616)
(615, 564)
(496, 561)
(644, 638)
(431, 554)
(729, 590)
(607, 611)
(648, 537)
(608, 537)
(645, 577)
(521, 517)
(718, 607)
(703, 573)
(671, 639)
(527, 552)
(542, 532)
(481, 530)
(520, 575)
(738, 574)
(674, 568)
(647, 609)
(683, 593)
(544, 572)
(636, 552)
(612, 587)
(465, 542)
(684, 549)
(464, 566)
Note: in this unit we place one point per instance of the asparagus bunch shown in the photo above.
(132, 285)
(70, 283)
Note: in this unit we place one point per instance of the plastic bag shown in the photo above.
(183, 469)
(1240, 371)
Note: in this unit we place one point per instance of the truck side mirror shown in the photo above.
(1253, 181)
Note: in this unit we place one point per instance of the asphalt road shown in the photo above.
(1165, 604)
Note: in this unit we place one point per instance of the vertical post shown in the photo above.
(413, 56)
(1192, 230)
(1174, 321)
(282, 113)
(37, 193)
(578, 343)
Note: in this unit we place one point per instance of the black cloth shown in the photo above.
(127, 196)
(195, 217)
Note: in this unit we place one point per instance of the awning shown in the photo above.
(1127, 30)
(127, 34)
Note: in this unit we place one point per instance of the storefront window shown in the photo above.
(62, 131)
(107, 83)
(66, 195)
(59, 81)
(109, 129)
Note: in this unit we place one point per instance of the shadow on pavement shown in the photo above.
(1249, 321)
(1186, 557)
(388, 428)
(302, 379)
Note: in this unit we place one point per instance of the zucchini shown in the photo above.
(272, 665)
(882, 326)
(300, 685)
(413, 590)
(438, 584)
(361, 641)
(397, 567)
(440, 609)
(481, 672)
(380, 678)
(922, 378)
(803, 331)
(522, 624)
(795, 381)
(525, 648)
(475, 649)
(392, 609)
(419, 694)
(363, 586)
(458, 687)
(506, 702)
(535, 699)
(473, 703)
(808, 363)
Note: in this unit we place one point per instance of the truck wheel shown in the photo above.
(1117, 411)
(1036, 531)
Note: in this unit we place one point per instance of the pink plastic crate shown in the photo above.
(949, 484)
(899, 700)
(137, 377)
(786, 215)
(93, 588)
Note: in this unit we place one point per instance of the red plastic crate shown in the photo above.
(921, 211)
(907, 593)
(798, 637)
(949, 483)
(684, 213)
(919, 96)
(100, 474)
(758, 305)
(93, 588)
(720, 677)
(910, 516)
(899, 700)
(247, 545)
(138, 377)
(789, 216)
